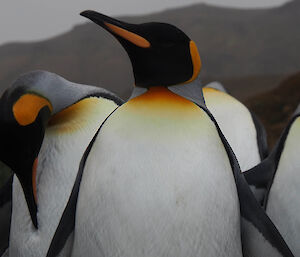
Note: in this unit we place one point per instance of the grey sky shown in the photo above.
(31, 20)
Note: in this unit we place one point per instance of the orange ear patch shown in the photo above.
(130, 36)
(196, 61)
(27, 108)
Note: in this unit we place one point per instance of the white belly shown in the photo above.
(284, 202)
(156, 185)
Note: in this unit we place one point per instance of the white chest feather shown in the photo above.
(63, 146)
(284, 202)
(157, 183)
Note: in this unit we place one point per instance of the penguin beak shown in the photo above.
(120, 30)
(29, 188)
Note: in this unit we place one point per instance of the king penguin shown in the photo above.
(242, 129)
(279, 173)
(46, 123)
(159, 178)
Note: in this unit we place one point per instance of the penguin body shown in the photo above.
(248, 140)
(281, 175)
(144, 202)
(159, 177)
(61, 151)
(77, 113)
(283, 204)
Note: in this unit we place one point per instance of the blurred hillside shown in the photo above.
(276, 107)
(236, 46)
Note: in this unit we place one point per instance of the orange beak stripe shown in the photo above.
(130, 36)
(27, 108)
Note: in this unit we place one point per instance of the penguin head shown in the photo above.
(160, 53)
(23, 118)
(26, 107)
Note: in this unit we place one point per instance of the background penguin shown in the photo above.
(160, 178)
(46, 123)
(244, 132)
(280, 174)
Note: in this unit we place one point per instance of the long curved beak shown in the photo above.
(121, 30)
(29, 192)
(102, 19)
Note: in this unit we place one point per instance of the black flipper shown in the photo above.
(261, 137)
(252, 213)
(262, 175)
(67, 222)
(5, 214)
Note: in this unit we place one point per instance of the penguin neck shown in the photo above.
(191, 91)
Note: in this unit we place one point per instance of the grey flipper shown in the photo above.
(5, 214)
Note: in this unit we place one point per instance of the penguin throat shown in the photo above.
(191, 91)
